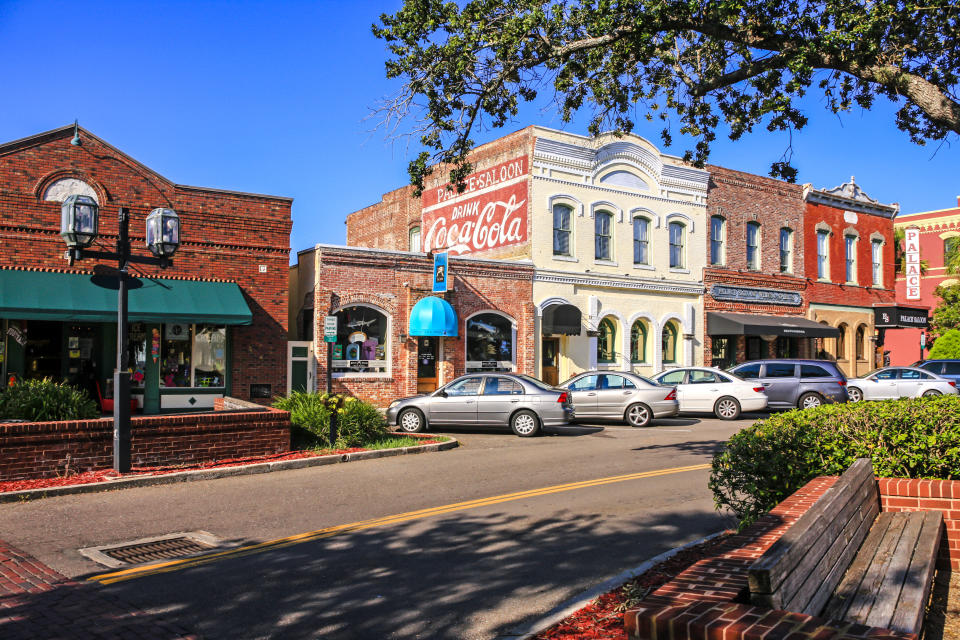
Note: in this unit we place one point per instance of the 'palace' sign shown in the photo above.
(912, 250)
(490, 213)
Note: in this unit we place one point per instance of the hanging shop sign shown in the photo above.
(900, 317)
(911, 249)
(440, 272)
(490, 213)
(758, 296)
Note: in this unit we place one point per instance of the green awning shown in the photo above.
(39, 295)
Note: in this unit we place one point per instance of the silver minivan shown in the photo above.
(796, 383)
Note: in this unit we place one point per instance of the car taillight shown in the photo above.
(951, 383)
(759, 389)
(672, 395)
(563, 398)
(842, 383)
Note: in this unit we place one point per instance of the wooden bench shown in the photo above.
(844, 560)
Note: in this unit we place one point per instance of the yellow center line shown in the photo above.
(239, 552)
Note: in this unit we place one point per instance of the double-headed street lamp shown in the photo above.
(78, 226)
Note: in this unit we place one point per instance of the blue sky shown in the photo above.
(274, 97)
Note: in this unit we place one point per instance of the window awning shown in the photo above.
(745, 324)
(433, 316)
(560, 319)
(41, 295)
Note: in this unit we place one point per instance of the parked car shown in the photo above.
(899, 382)
(949, 369)
(621, 396)
(520, 402)
(793, 383)
(709, 390)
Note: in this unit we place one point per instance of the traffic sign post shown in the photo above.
(330, 336)
(923, 343)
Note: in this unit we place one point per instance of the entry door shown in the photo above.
(300, 367)
(427, 364)
(549, 361)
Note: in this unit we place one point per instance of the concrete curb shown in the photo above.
(561, 611)
(223, 472)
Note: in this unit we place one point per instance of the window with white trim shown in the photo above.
(823, 255)
(753, 245)
(602, 230)
(361, 345)
(850, 247)
(415, 239)
(717, 233)
(676, 231)
(561, 229)
(641, 242)
(786, 250)
(876, 261)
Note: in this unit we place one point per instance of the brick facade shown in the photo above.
(394, 282)
(237, 237)
(57, 449)
(707, 601)
(740, 198)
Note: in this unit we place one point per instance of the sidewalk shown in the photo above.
(37, 602)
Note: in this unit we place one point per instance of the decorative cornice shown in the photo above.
(851, 197)
(633, 194)
(635, 284)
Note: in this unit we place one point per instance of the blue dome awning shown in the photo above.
(433, 316)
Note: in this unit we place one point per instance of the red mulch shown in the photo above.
(602, 619)
(104, 475)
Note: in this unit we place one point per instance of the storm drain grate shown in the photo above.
(160, 550)
(168, 547)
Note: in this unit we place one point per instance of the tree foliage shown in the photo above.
(947, 346)
(688, 64)
(946, 315)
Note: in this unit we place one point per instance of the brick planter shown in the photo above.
(53, 449)
(710, 600)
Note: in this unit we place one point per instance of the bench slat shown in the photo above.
(908, 617)
(820, 521)
(862, 601)
(842, 597)
(895, 573)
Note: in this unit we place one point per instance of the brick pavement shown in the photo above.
(37, 603)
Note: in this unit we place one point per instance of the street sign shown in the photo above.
(330, 329)
(440, 272)
(923, 340)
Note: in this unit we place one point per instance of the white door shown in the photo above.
(884, 386)
(301, 367)
(702, 390)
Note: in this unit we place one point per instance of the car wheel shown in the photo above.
(810, 401)
(411, 421)
(525, 424)
(727, 408)
(930, 393)
(855, 394)
(638, 415)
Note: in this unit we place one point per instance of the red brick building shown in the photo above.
(755, 303)
(213, 324)
(374, 293)
(939, 232)
(850, 267)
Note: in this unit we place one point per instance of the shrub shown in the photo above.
(947, 345)
(358, 422)
(765, 463)
(46, 400)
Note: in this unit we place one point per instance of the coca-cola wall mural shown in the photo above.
(490, 213)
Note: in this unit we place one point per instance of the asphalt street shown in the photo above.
(464, 544)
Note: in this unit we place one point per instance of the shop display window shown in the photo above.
(177, 355)
(489, 343)
(137, 354)
(361, 345)
(192, 355)
(209, 356)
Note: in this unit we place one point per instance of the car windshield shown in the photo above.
(539, 384)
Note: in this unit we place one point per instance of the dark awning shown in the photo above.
(561, 319)
(44, 295)
(900, 317)
(745, 324)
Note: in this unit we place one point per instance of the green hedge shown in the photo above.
(46, 400)
(765, 463)
(358, 422)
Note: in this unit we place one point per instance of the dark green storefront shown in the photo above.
(63, 326)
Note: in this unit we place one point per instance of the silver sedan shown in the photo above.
(620, 395)
(899, 382)
(525, 404)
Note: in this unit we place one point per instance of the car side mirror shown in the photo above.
(441, 393)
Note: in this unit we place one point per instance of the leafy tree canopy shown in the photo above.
(946, 315)
(947, 346)
(688, 64)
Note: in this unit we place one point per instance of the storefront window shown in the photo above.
(638, 342)
(860, 347)
(669, 343)
(137, 353)
(720, 352)
(177, 352)
(209, 356)
(489, 343)
(842, 342)
(606, 341)
(787, 347)
(361, 345)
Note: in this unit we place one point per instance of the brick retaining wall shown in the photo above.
(899, 494)
(710, 600)
(55, 449)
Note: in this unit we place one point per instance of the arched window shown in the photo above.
(361, 345)
(842, 342)
(638, 342)
(561, 229)
(676, 231)
(602, 229)
(606, 341)
(415, 239)
(669, 343)
(861, 346)
(489, 343)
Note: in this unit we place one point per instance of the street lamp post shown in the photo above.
(78, 226)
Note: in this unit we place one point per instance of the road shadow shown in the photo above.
(446, 577)
(697, 447)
